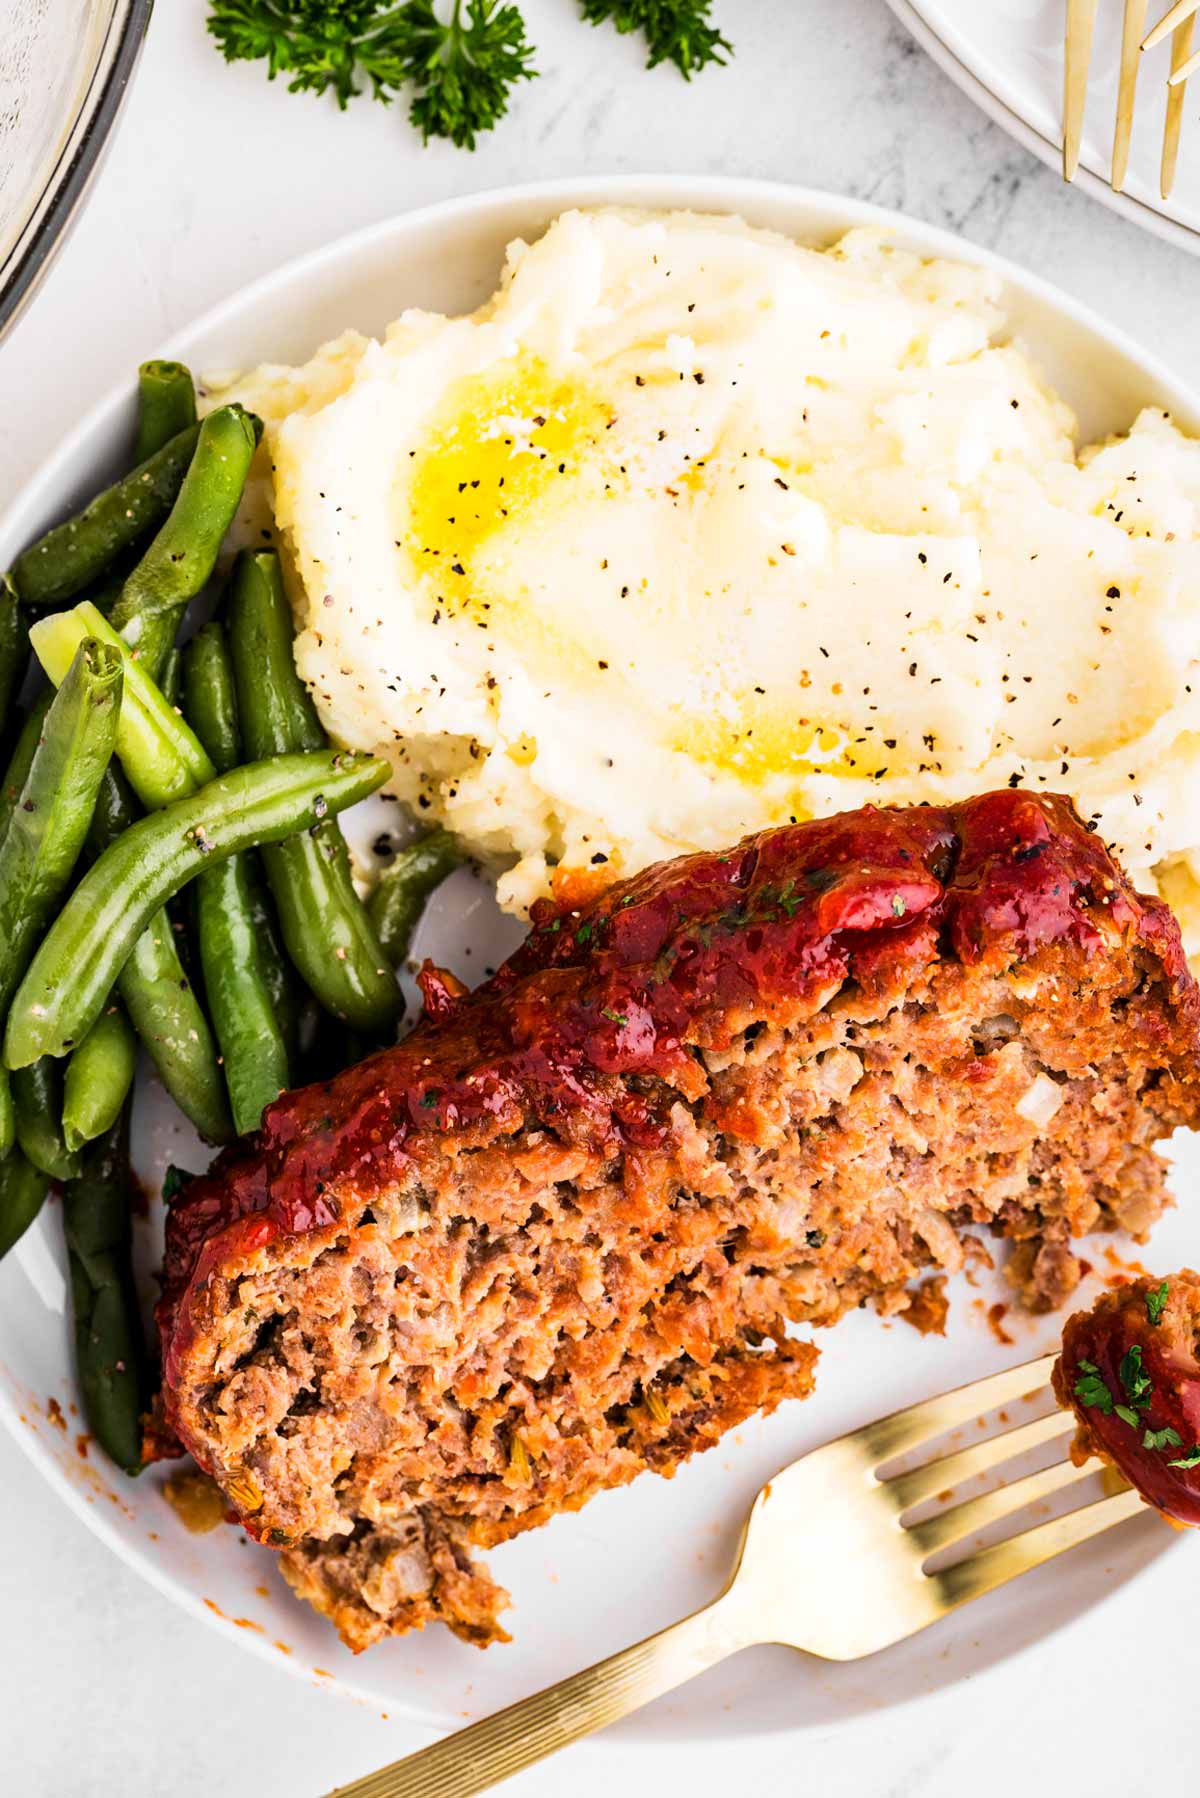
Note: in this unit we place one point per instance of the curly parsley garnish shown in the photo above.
(1156, 1303)
(459, 70)
(1090, 1389)
(459, 61)
(675, 31)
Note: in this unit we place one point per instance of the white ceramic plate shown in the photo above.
(636, 1559)
(1007, 55)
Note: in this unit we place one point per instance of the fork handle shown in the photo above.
(484, 1753)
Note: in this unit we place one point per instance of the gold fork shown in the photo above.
(1181, 20)
(1081, 20)
(826, 1564)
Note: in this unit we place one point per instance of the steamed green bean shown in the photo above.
(73, 970)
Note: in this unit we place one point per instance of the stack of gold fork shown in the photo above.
(1179, 23)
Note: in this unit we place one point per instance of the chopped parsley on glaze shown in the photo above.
(1156, 1302)
(1091, 1390)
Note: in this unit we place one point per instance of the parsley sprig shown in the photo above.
(459, 60)
(1156, 1302)
(677, 31)
(460, 69)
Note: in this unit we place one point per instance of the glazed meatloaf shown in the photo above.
(1130, 1370)
(559, 1234)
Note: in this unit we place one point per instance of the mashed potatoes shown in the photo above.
(691, 530)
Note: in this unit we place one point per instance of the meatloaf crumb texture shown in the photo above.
(560, 1234)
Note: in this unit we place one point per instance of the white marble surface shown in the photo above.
(215, 178)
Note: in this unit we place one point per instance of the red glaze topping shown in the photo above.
(1137, 1350)
(683, 955)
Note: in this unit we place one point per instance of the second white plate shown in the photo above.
(1007, 56)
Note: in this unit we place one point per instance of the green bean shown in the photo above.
(404, 887)
(8, 1120)
(166, 405)
(14, 646)
(21, 760)
(166, 1013)
(170, 676)
(327, 932)
(23, 1190)
(37, 1104)
(184, 553)
(289, 996)
(162, 1006)
(74, 554)
(231, 953)
(325, 925)
(161, 1002)
(73, 971)
(162, 758)
(239, 999)
(98, 1078)
(210, 698)
(115, 810)
(109, 1350)
(52, 813)
(276, 708)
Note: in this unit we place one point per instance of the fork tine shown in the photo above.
(1081, 19)
(908, 1489)
(993, 1567)
(907, 1429)
(1181, 50)
(1135, 19)
(1184, 9)
(960, 1521)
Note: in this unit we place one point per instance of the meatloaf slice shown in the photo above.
(560, 1233)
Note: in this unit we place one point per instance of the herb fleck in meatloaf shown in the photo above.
(557, 1236)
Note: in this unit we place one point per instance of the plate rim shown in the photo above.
(723, 194)
(1138, 212)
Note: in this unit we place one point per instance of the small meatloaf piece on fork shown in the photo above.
(1130, 1371)
(560, 1233)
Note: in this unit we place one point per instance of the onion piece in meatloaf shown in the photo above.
(558, 1235)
